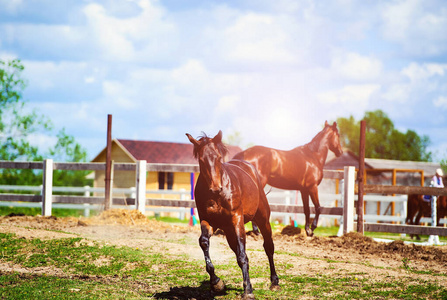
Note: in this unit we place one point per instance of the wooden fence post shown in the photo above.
(47, 187)
(348, 201)
(361, 179)
(140, 200)
(108, 175)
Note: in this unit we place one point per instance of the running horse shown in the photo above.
(227, 196)
(298, 169)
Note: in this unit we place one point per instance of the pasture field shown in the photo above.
(123, 255)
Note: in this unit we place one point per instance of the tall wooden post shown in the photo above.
(360, 176)
(108, 175)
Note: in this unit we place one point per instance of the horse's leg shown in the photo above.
(217, 284)
(236, 239)
(410, 220)
(410, 212)
(417, 221)
(314, 196)
(262, 218)
(305, 198)
(263, 181)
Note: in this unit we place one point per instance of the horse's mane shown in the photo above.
(205, 140)
(314, 144)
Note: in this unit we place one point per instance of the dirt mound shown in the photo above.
(291, 230)
(354, 241)
(123, 217)
(39, 222)
(119, 216)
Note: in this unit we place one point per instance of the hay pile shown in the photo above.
(131, 218)
(117, 216)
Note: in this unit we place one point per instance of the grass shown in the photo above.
(76, 268)
(34, 211)
(332, 231)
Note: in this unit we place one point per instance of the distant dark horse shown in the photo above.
(298, 169)
(227, 196)
(417, 208)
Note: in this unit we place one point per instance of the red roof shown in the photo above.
(165, 152)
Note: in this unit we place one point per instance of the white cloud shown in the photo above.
(416, 24)
(399, 93)
(47, 75)
(227, 103)
(358, 95)
(397, 18)
(120, 95)
(419, 72)
(257, 38)
(441, 102)
(146, 36)
(11, 6)
(356, 67)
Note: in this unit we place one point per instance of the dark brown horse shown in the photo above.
(298, 169)
(417, 208)
(227, 196)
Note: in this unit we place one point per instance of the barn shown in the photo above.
(131, 151)
(387, 171)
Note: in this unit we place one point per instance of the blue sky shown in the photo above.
(273, 71)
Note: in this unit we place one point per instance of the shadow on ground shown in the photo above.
(202, 292)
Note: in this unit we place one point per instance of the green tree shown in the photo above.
(18, 126)
(444, 165)
(382, 139)
(234, 139)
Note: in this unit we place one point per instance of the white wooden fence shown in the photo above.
(47, 200)
(137, 197)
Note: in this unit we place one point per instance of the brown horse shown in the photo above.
(298, 169)
(227, 196)
(417, 208)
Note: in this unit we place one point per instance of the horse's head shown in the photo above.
(210, 153)
(334, 139)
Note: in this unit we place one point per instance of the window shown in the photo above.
(165, 180)
(170, 180)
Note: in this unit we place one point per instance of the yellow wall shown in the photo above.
(126, 179)
(182, 181)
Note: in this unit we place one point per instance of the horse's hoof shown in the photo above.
(309, 232)
(248, 297)
(275, 287)
(218, 287)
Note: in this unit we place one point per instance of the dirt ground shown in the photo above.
(350, 254)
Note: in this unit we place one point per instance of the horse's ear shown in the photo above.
(192, 140)
(325, 123)
(334, 125)
(218, 138)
